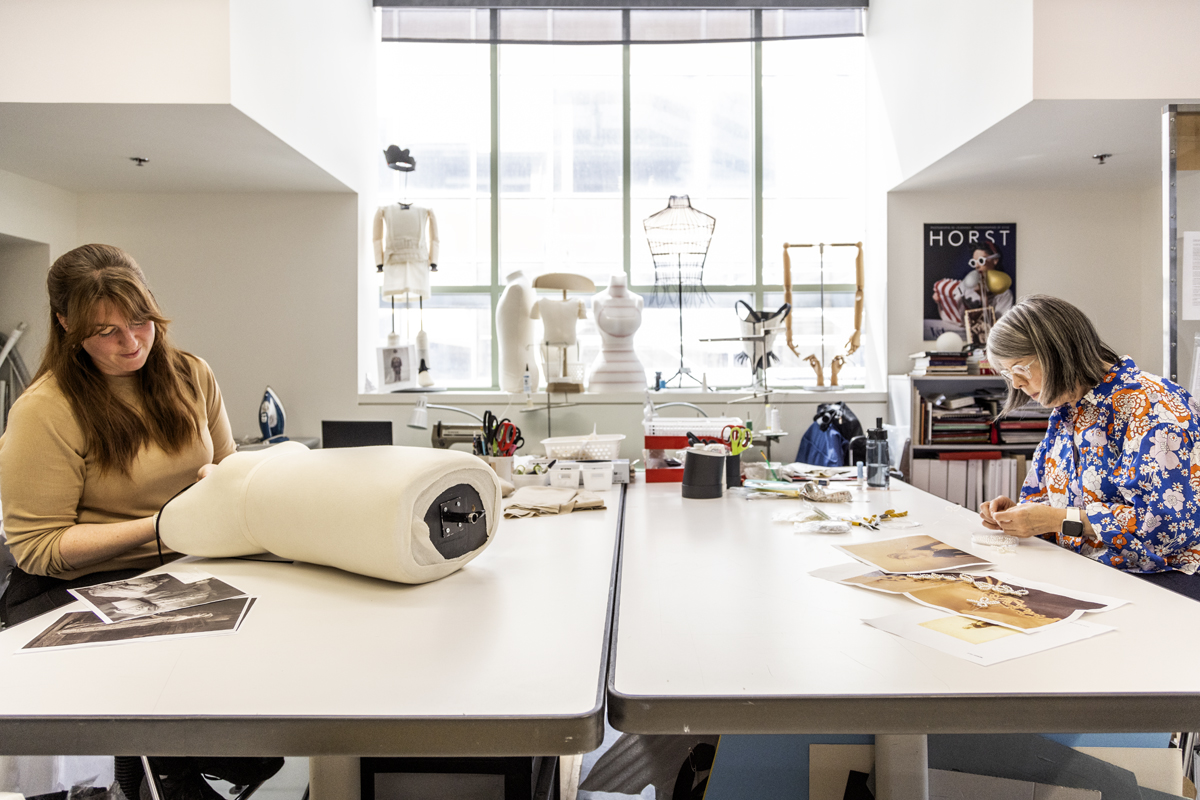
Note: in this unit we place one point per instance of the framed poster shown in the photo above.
(397, 367)
(968, 266)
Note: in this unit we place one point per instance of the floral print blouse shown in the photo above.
(1128, 455)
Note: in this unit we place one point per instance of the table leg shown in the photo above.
(901, 767)
(334, 778)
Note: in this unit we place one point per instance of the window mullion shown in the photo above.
(757, 132)
(494, 168)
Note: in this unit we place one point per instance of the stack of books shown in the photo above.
(967, 425)
(1025, 425)
(937, 362)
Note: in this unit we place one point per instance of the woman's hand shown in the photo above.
(202, 473)
(989, 507)
(1024, 520)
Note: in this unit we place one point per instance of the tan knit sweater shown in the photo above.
(49, 481)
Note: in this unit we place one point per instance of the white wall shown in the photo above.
(1100, 251)
(262, 286)
(1121, 49)
(305, 70)
(116, 51)
(948, 70)
(32, 212)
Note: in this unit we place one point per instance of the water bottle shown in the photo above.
(878, 461)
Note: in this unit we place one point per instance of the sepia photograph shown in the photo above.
(1027, 612)
(973, 631)
(979, 322)
(910, 554)
(144, 595)
(85, 629)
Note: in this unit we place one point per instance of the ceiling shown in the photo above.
(1049, 144)
(192, 148)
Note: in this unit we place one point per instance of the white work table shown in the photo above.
(720, 629)
(505, 657)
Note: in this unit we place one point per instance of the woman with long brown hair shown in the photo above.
(116, 422)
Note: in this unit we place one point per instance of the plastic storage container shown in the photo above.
(594, 447)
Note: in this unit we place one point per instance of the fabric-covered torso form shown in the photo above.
(49, 480)
(405, 514)
(406, 243)
(1128, 455)
(559, 318)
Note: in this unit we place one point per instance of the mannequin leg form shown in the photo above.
(423, 376)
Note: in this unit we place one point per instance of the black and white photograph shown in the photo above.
(85, 629)
(397, 367)
(144, 595)
(967, 267)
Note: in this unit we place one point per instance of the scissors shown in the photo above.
(491, 429)
(738, 437)
(508, 439)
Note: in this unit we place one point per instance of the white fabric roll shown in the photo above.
(361, 509)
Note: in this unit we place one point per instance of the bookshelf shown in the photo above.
(963, 481)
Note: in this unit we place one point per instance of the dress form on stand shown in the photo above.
(560, 348)
(618, 315)
(516, 334)
(678, 237)
(405, 239)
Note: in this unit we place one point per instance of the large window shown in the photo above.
(588, 141)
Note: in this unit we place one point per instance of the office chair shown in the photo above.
(355, 433)
(247, 774)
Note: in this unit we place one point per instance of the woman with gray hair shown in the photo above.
(1117, 476)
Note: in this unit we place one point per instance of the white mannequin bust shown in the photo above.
(618, 314)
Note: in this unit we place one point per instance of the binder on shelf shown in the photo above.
(938, 476)
(956, 482)
(920, 473)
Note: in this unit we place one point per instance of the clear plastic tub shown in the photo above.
(593, 447)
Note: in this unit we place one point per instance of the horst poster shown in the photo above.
(968, 267)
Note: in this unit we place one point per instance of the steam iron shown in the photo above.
(271, 417)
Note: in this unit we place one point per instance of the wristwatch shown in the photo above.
(1073, 524)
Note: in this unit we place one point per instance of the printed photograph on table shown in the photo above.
(912, 554)
(144, 595)
(968, 267)
(85, 629)
(973, 631)
(1024, 612)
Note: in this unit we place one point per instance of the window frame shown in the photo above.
(758, 289)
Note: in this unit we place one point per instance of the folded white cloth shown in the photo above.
(536, 501)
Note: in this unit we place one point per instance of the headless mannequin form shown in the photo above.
(401, 247)
(560, 351)
(618, 314)
(516, 334)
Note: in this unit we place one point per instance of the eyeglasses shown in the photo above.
(979, 262)
(1021, 370)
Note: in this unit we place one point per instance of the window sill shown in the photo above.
(464, 397)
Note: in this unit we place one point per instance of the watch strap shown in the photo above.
(1073, 515)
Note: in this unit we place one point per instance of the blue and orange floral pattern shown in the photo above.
(1128, 455)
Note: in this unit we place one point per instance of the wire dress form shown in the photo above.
(679, 236)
